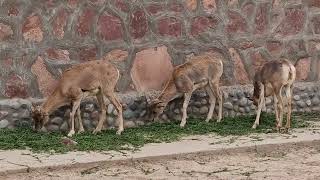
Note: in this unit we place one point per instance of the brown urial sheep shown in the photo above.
(94, 78)
(269, 81)
(203, 71)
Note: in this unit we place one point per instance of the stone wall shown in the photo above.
(16, 112)
(147, 38)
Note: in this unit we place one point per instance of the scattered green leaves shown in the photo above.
(133, 138)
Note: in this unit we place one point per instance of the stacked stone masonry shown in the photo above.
(41, 38)
(16, 112)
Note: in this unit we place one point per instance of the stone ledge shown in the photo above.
(16, 112)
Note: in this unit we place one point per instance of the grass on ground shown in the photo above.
(133, 138)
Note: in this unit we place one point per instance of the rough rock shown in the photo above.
(228, 105)
(4, 123)
(57, 120)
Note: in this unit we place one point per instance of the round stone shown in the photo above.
(4, 123)
(228, 105)
(89, 107)
(142, 104)
(128, 114)
(129, 124)
(143, 113)
(236, 108)
(24, 114)
(64, 127)
(94, 123)
(133, 106)
(232, 94)
(235, 100)
(296, 97)
(240, 94)
(232, 114)
(110, 109)
(67, 113)
(241, 109)
(247, 93)
(44, 130)
(316, 108)
(309, 88)
(247, 109)
(14, 104)
(264, 108)
(204, 102)
(195, 110)
(177, 117)
(312, 95)
(243, 102)
(269, 110)
(11, 127)
(268, 101)
(225, 95)
(204, 110)
(172, 105)
(15, 122)
(115, 112)
(95, 115)
(301, 104)
(15, 115)
(216, 108)
(110, 121)
(87, 124)
(86, 115)
(315, 101)
(302, 88)
(164, 117)
(3, 114)
(308, 110)
(308, 102)
(53, 128)
(304, 95)
(189, 110)
(139, 123)
(225, 113)
(202, 94)
(197, 103)
(57, 120)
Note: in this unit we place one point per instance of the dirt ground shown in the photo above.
(294, 164)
